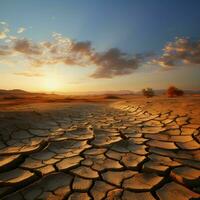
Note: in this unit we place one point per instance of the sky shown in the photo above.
(99, 45)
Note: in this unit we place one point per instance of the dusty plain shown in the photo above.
(100, 147)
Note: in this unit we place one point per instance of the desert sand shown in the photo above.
(130, 148)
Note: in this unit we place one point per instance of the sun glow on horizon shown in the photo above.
(51, 83)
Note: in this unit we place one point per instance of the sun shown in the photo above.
(51, 86)
(51, 83)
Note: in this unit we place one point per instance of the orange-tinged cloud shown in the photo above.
(182, 51)
(108, 64)
(28, 74)
(26, 47)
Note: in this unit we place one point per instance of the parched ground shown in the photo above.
(131, 150)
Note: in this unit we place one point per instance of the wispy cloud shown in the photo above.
(3, 35)
(5, 50)
(21, 30)
(4, 30)
(3, 23)
(29, 74)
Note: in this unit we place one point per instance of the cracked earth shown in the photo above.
(97, 151)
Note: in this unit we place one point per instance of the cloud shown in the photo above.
(26, 47)
(5, 50)
(182, 51)
(3, 23)
(82, 47)
(21, 30)
(62, 50)
(4, 30)
(114, 63)
(29, 74)
(110, 63)
(8, 62)
(3, 35)
(107, 64)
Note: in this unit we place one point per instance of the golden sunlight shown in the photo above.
(51, 83)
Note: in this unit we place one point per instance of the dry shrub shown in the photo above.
(174, 92)
(111, 96)
(148, 92)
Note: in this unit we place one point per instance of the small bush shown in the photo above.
(148, 92)
(110, 96)
(174, 92)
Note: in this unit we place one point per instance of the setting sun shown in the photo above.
(51, 83)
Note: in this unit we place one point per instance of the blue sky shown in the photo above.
(133, 26)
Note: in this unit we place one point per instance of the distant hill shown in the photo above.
(117, 92)
(106, 92)
(192, 91)
(13, 92)
(16, 92)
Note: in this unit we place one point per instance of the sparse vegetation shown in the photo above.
(174, 92)
(111, 96)
(148, 92)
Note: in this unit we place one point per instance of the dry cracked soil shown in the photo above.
(97, 151)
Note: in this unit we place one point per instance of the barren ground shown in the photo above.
(128, 148)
